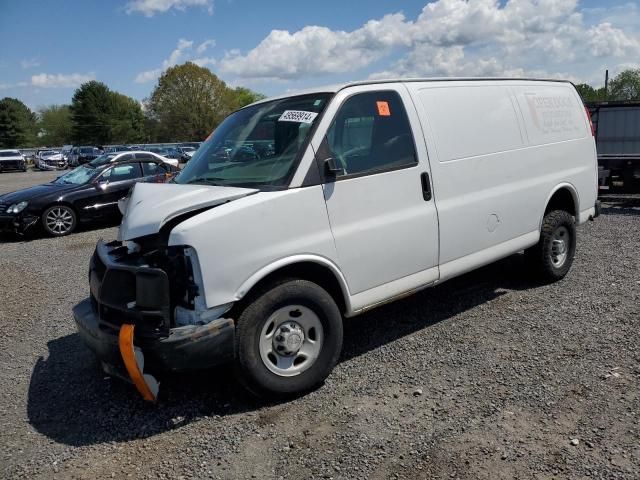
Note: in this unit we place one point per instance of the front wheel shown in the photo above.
(59, 220)
(288, 339)
(552, 257)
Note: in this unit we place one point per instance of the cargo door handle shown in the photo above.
(426, 186)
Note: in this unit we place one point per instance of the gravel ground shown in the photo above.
(487, 376)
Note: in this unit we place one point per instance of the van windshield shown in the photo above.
(258, 146)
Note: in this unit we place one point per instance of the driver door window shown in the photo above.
(370, 134)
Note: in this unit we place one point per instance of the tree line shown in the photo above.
(186, 104)
(625, 86)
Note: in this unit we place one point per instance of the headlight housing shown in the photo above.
(17, 207)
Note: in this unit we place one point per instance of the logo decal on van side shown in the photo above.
(551, 114)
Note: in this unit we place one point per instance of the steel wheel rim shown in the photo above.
(560, 243)
(298, 348)
(59, 220)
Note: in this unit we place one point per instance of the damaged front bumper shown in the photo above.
(132, 293)
(17, 223)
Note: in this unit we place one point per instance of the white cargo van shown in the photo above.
(301, 210)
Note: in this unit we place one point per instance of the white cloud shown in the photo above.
(7, 86)
(150, 7)
(204, 46)
(60, 80)
(454, 37)
(29, 63)
(184, 51)
(179, 54)
(316, 49)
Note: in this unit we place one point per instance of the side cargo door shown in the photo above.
(378, 197)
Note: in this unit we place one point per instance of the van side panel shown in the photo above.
(559, 134)
(492, 170)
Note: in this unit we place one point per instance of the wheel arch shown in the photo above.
(564, 196)
(314, 268)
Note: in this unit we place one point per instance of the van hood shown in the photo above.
(151, 205)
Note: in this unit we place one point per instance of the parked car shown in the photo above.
(194, 145)
(87, 193)
(186, 153)
(362, 194)
(172, 152)
(66, 152)
(12, 160)
(50, 160)
(117, 148)
(28, 153)
(82, 155)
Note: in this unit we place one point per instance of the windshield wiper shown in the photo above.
(206, 180)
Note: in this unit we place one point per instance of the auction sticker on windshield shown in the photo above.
(299, 116)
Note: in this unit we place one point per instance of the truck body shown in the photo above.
(617, 127)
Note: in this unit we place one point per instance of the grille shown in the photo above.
(3, 208)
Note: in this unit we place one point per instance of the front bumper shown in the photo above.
(131, 292)
(185, 348)
(52, 165)
(13, 165)
(19, 223)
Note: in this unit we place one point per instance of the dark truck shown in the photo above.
(617, 129)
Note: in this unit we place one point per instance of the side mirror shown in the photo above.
(331, 167)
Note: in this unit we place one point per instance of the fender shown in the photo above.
(574, 195)
(248, 284)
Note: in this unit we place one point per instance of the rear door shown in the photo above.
(381, 212)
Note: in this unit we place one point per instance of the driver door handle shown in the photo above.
(426, 186)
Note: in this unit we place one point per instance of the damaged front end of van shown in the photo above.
(146, 311)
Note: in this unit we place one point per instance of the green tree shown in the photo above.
(90, 113)
(101, 116)
(126, 120)
(590, 94)
(626, 86)
(55, 126)
(189, 102)
(243, 96)
(17, 124)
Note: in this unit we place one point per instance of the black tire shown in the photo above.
(252, 370)
(64, 212)
(544, 258)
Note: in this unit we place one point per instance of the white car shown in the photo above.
(12, 160)
(130, 155)
(50, 160)
(304, 209)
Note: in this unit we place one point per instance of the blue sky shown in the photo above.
(50, 47)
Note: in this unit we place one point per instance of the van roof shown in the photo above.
(340, 86)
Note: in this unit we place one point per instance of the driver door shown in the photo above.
(113, 184)
(378, 198)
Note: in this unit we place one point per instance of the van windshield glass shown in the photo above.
(257, 146)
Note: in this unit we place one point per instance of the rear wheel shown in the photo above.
(552, 257)
(59, 220)
(288, 339)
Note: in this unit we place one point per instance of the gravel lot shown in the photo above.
(488, 376)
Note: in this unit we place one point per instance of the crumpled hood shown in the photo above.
(151, 205)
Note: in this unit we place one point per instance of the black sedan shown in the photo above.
(87, 193)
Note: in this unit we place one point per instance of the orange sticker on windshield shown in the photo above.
(383, 109)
